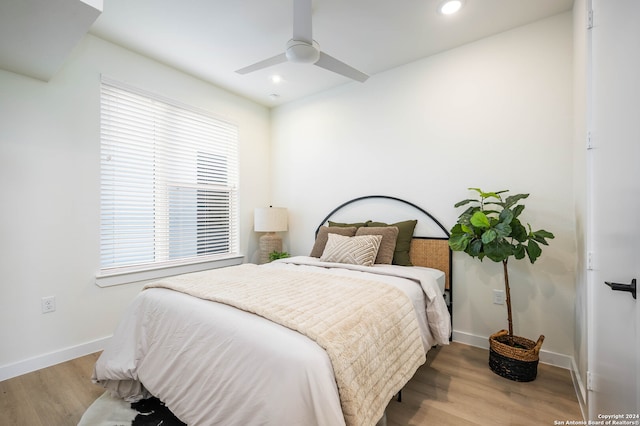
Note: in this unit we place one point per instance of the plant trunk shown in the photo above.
(508, 296)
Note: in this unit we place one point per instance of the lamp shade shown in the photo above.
(270, 219)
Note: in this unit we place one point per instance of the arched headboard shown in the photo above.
(430, 251)
(385, 197)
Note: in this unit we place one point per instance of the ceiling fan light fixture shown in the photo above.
(302, 52)
(450, 7)
(302, 48)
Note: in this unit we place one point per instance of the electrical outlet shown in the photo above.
(48, 304)
(498, 297)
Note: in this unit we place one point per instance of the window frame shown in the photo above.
(162, 265)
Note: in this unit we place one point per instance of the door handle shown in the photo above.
(624, 287)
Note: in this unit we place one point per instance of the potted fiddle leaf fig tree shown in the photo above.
(490, 228)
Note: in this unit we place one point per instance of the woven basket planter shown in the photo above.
(517, 362)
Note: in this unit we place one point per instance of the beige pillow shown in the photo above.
(321, 239)
(388, 243)
(360, 250)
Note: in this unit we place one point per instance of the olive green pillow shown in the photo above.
(349, 225)
(403, 242)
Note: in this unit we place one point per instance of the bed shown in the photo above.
(310, 340)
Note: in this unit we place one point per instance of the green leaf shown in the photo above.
(485, 195)
(498, 250)
(465, 217)
(488, 212)
(512, 200)
(480, 220)
(545, 234)
(457, 229)
(518, 231)
(534, 251)
(517, 210)
(519, 251)
(539, 240)
(475, 248)
(464, 202)
(490, 195)
(503, 230)
(488, 236)
(541, 236)
(278, 255)
(458, 242)
(506, 216)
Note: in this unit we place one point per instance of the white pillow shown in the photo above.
(360, 250)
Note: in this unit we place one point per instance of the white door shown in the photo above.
(614, 348)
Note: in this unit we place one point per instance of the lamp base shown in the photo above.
(269, 243)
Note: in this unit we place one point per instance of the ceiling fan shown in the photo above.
(303, 49)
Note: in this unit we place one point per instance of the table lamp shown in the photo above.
(269, 220)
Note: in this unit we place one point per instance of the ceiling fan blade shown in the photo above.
(332, 64)
(302, 27)
(275, 60)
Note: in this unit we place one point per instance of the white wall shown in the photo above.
(49, 180)
(495, 114)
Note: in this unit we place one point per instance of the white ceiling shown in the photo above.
(210, 39)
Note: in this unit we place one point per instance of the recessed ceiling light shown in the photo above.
(275, 79)
(450, 7)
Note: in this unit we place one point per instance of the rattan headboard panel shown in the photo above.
(432, 253)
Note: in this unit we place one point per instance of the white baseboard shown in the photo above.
(47, 360)
(471, 339)
(581, 390)
(546, 357)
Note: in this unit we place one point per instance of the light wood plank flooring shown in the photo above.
(54, 396)
(454, 387)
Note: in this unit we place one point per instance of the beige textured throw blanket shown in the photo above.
(368, 329)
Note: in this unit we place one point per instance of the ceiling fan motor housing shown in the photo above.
(302, 52)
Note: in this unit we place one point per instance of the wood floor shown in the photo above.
(54, 396)
(454, 387)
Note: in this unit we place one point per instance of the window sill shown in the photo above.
(110, 279)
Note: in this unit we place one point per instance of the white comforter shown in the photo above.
(216, 365)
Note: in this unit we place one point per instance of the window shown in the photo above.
(168, 183)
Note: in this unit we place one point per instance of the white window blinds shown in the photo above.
(169, 179)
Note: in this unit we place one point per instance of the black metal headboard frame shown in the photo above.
(386, 197)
